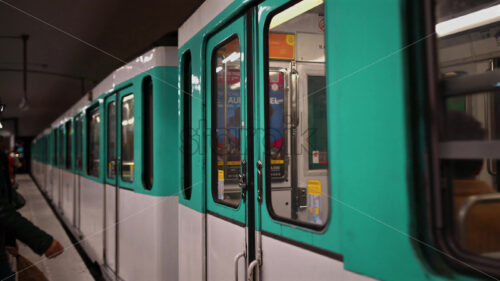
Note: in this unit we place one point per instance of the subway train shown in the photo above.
(291, 140)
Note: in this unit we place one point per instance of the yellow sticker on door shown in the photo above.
(314, 187)
(314, 201)
(220, 185)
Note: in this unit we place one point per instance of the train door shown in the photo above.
(67, 175)
(52, 157)
(111, 185)
(293, 240)
(78, 169)
(228, 224)
(61, 164)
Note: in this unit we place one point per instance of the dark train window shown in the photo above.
(61, 147)
(93, 135)
(466, 117)
(147, 93)
(127, 145)
(45, 149)
(78, 142)
(69, 134)
(186, 120)
(54, 147)
(111, 157)
(226, 122)
(296, 117)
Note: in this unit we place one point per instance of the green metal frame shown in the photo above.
(237, 28)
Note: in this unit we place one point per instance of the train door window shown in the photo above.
(69, 134)
(186, 98)
(45, 148)
(127, 145)
(93, 160)
(467, 120)
(61, 147)
(111, 140)
(54, 148)
(296, 119)
(226, 120)
(78, 143)
(147, 93)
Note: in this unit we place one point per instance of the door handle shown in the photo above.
(243, 179)
(259, 181)
(118, 169)
(236, 260)
(251, 267)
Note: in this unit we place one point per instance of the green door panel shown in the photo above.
(236, 28)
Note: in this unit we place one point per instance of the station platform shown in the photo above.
(69, 265)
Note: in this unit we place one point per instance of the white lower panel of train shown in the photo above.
(284, 261)
(40, 173)
(49, 181)
(147, 236)
(281, 261)
(146, 226)
(45, 183)
(92, 217)
(68, 195)
(191, 244)
(55, 179)
(225, 240)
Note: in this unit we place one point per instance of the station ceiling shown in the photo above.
(70, 42)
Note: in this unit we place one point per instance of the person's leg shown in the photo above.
(6, 273)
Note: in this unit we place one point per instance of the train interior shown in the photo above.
(297, 137)
(470, 131)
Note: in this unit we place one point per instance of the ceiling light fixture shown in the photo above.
(468, 21)
(292, 12)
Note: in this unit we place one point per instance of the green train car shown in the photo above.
(294, 140)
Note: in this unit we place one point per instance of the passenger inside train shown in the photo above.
(477, 228)
(470, 129)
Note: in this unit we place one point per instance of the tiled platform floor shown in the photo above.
(69, 266)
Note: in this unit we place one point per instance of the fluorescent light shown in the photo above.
(218, 69)
(1, 126)
(232, 57)
(292, 12)
(235, 86)
(469, 21)
(127, 98)
(127, 122)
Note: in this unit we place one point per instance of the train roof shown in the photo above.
(200, 18)
(159, 56)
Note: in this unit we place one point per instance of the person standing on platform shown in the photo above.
(14, 226)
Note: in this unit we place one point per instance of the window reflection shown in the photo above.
(111, 139)
(227, 117)
(69, 134)
(127, 153)
(93, 142)
(468, 52)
